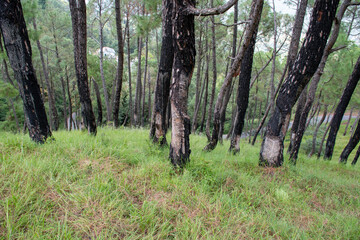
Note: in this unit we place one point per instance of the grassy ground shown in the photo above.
(118, 185)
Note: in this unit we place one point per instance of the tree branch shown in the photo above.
(337, 48)
(191, 10)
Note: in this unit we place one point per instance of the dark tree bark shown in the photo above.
(158, 123)
(356, 157)
(305, 65)
(341, 108)
(78, 18)
(313, 149)
(51, 98)
(243, 91)
(120, 66)
(255, 15)
(184, 61)
(354, 140)
(18, 48)
(347, 125)
(98, 102)
(314, 83)
(293, 49)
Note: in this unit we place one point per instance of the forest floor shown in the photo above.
(118, 185)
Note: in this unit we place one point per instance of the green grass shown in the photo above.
(118, 185)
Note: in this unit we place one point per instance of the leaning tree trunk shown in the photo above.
(354, 140)
(78, 18)
(214, 75)
(120, 66)
(184, 61)
(51, 98)
(243, 91)
(18, 48)
(313, 148)
(314, 83)
(348, 123)
(296, 121)
(356, 157)
(340, 109)
(293, 50)
(69, 98)
(255, 15)
(305, 65)
(158, 122)
(98, 102)
(205, 84)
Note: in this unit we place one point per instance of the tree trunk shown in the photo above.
(78, 17)
(98, 101)
(162, 89)
(149, 97)
(298, 112)
(18, 48)
(184, 61)
(51, 98)
(356, 157)
(354, 124)
(255, 15)
(354, 140)
(198, 81)
(313, 149)
(230, 88)
(243, 91)
(131, 109)
(206, 82)
(341, 108)
(63, 87)
(101, 38)
(145, 80)
(326, 131)
(212, 96)
(120, 66)
(273, 67)
(347, 125)
(305, 65)
(69, 98)
(138, 90)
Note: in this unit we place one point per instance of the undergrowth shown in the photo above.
(119, 185)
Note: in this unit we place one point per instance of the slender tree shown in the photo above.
(243, 91)
(234, 70)
(18, 49)
(51, 97)
(305, 65)
(78, 18)
(341, 108)
(354, 140)
(158, 122)
(315, 81)
(120, 66)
